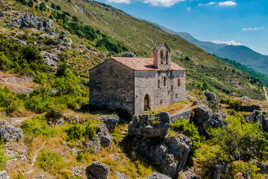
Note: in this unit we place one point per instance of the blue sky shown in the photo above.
(224, 21)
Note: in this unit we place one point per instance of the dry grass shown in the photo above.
(172, 109)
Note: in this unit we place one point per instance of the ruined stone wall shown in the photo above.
(112, 86)
(146, 82)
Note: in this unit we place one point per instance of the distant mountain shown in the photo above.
(239, 53)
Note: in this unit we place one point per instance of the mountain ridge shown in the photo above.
(239, 53)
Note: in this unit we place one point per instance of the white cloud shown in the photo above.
(227, 3)
(252, 28)
(207, 4)
(221, 4)
(231, 42)
(164, 3)
(120, 1)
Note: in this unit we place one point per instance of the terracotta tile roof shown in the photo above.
(142, 64)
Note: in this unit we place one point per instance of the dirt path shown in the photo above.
(34, 159)
(18, 120)
(265, 92)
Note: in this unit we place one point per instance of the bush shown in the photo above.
(189, 129)
(5, 63)
(50, 162)
(246, 168)
(37, 126)
(77, 131)
(42, 6)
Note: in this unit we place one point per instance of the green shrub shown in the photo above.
(5, 63)
(77, 131)
(3, 157)
(37, 126)
(50, 162)
(8, 101)
(42, 6)
(189, 129)
(246, 168)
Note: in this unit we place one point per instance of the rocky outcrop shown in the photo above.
(128, 54)
(50, 59)
(171, 153)
(262, 166)
(97, 170)
(189, 174)
(257, 116)
(149, 126)
(30, 21)
(77, 171)
(211, 97)
(104, 136)
(3, 175)
(157, 175)
(10, 133)
(111, 121)
(148, 138)
(203, 117)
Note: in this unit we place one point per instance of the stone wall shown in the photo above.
(146, 82)
(112, 86)
(186, 115)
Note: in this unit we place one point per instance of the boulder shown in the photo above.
(203, 117)
(265, 125)
(257, 116)
(150, 126)
(30, 21)
(263, 166)
(3, 175)
(97, 170)
(120, 175)
(10, 133)
(157, 175)
(128, 54)
(189, 174)
(111, 121)
(50, 59)
(170, 153)
(104, 136)
(77, 171)
(180, 147)
(211, 97)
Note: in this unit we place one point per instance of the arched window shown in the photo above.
(162, 56)
(165, 81)
(167, 57)
(146, 102)
(179, 82)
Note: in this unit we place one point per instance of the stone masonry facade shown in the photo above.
(138, 84)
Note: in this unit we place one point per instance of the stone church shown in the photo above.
(138, 84)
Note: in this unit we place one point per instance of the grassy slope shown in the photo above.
(141, 36)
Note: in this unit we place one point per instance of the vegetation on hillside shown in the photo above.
(256, 77)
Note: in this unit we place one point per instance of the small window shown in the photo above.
(171, 87)
(165, 81)
(179, 82)
(158, 84)
(176, 95)
(161, 101)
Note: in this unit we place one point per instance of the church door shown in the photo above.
(146, 102)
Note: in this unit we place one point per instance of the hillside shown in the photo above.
(49, 130)
(140, 37)
(239, 53)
